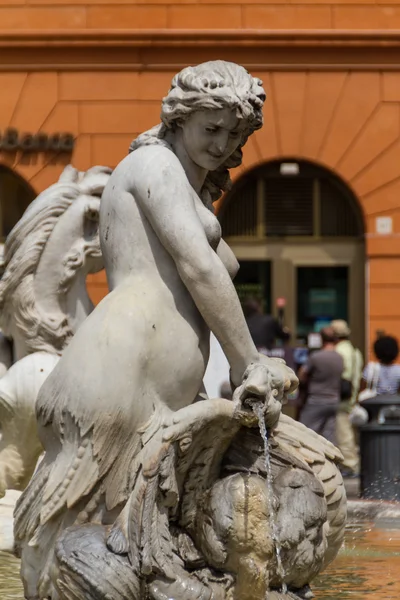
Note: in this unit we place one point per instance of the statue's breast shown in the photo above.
(210, 224)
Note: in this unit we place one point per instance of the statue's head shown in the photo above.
(212, 108)
(55, 240)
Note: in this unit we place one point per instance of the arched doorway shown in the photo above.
(298, 233)
(15, 196)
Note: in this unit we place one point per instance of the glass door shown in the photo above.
(322, 295)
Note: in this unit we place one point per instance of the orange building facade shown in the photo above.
(98, 69)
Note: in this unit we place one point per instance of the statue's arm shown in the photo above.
(167, 200)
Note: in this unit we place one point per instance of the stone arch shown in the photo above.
(347, 121)
(280, 182)
(298, 231)
(15, 196)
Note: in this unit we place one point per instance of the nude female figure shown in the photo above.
(143, 351)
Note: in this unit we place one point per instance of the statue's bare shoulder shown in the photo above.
(155, 178)
(150, 169)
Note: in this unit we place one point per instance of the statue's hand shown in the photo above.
(283, 378)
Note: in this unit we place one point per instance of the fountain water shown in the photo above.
(367, 567)
(258, 409)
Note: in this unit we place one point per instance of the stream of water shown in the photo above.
(258, 408)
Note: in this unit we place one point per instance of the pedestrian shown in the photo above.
(322, 375)
(385, 374)
(264, 329)
(352, 368)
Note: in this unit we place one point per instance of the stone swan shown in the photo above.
(43, 300)
(148, 490)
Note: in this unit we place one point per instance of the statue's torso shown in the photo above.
(148, 332)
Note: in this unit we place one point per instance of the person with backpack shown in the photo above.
(351, 377)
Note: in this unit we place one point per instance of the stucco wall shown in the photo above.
(350, 123)
(198, 14)
(346, 121)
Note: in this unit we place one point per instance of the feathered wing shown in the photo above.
(167, 448)
(323, 458)
(69, 489)
(174, 465)
(76, 479)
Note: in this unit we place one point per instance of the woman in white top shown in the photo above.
(385, 374)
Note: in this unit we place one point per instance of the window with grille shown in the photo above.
(243, 217)
(311, 203)
(288, 206)
(337, 218)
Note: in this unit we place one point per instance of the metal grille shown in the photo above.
(338, 215)
(288, 206)
(241, 217)
(311, 203)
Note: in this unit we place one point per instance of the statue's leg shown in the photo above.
(85, 568)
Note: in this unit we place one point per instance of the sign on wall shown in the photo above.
(11, 140)
(384, 225)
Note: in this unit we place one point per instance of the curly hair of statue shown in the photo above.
(209, 86)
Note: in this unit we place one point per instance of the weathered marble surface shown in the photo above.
(144, 490)
(43, 300)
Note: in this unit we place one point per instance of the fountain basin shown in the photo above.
(367, 565)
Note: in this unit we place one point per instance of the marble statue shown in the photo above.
(148, 489)
(43, 300)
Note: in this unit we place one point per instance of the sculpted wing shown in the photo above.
(87, 472)
(192, 439)
(323, 458)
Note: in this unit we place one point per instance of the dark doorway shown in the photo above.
(15, 196)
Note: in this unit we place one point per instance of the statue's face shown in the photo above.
(211, 136)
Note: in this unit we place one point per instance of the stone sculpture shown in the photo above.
(43, 300)
(147, 489)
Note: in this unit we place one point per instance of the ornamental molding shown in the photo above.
(155, 50)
